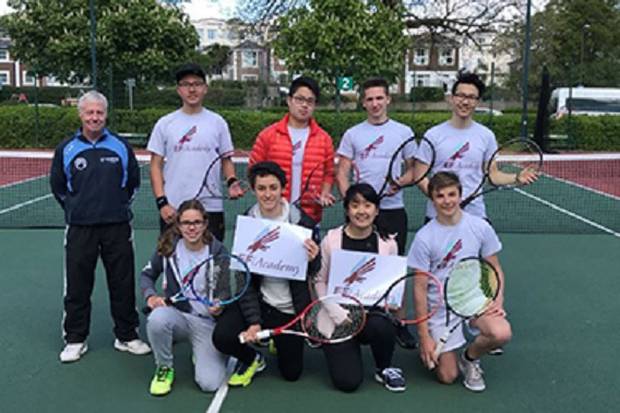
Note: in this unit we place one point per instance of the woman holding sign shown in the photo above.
(344, 360)
(269, 302)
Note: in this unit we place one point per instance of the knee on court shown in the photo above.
(447, 375)
(208, 384)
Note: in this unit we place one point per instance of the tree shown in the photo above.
(214, 58)
(463, 18)
(141, 39)
(577, 40)
(332, 38)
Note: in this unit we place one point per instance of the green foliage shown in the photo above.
(427, 94)
(332, 38)
(52, 95)
(214, 58)
(577, 40)
(135, 38)
(17, 125)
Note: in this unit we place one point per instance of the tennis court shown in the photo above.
(561, 241)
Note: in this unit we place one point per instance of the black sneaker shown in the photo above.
(404, 338)
(392, 378)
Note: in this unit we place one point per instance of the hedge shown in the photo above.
(17, 125)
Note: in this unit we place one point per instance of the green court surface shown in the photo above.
(561, 296)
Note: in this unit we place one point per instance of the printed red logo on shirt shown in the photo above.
(371, 148)
(458, 155)
(187, 137)
(451, 255)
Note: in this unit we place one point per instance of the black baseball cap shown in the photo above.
(307, 82)
(190, 69)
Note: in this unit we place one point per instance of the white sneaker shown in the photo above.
(135, 346)
(472, 373)
(73, 352)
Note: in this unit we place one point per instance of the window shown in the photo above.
(446, 57)
(4, 77)
(420, 57)
(4, 55)
(28, 78)
(249, 58)
(211, 34)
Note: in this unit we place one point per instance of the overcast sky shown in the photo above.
(197, 9)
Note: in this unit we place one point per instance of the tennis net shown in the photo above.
(577, 193)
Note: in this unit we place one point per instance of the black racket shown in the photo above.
(412, 148)
(214, 186)
(519, 162)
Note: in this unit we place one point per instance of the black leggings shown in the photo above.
(344, 360)
(394, 221)
(290, 348)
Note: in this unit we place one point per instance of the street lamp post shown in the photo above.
(93, 44)
(526, 63)
(585, 27)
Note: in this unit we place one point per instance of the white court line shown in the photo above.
(23, 204)
(581, 186)
(569, 213)
(23, 181)
(222, 391)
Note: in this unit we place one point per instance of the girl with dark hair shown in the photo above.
(344, 360)
(183, 245)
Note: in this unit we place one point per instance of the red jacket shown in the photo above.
(274, 144)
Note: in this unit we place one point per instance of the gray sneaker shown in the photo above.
(472, 373)
(392, 378)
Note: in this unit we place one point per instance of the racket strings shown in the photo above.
(332, 321)
(471, 287)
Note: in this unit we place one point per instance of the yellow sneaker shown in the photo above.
(244, 373)
(162, 381)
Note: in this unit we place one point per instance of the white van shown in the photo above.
(591, 101)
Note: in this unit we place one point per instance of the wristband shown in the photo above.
(161, 201)
(231, 181)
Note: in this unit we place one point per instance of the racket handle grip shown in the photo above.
(261, 335)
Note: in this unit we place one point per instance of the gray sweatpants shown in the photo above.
(166, 325)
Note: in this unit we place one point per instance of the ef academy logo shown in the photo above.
(371, 148)
(187, 137)
(459, 154)
(451, 255)
(263, 239)
(80, 163)
(296, 147)
(364, 266)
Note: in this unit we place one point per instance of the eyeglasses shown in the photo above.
(300, 100)
(187, 224)
(462, 96)
(189, 85)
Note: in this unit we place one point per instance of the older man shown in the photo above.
(94, 177)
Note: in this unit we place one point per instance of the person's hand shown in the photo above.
(496, 309)
(155, 301)
(235, 190)
(427, 351)
(526, 176)
(215, 310)
(168, 213)
(249, 335)
(311, 249)
(326, 199)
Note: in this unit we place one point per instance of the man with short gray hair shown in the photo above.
(94, 178)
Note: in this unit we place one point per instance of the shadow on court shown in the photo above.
(561, 297)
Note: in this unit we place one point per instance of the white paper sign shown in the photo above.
(272, 248)
(366, 276)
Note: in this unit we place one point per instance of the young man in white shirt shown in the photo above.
(451, 236)
(183, 144)
(370, 145)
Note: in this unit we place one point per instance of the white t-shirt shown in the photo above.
(464, 152)
(437, 248)
(371, 147)
(189, 143)
(186, 261)
(299, 137)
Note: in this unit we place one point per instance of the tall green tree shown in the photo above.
(332, 38)
(214, 58)
(577, 40)
(140, 39)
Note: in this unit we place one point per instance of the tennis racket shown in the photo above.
(217, 281)
(513, 159)
(214, 186)
(328, 320)
(413, 148)
(471, 287)
(389, 301)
